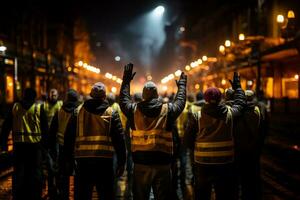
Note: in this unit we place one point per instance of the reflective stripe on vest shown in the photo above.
(63, 120)
(256, 109)
(151, 133)
(214, 145)
(50, 110)
(26, 123)
(93, 139)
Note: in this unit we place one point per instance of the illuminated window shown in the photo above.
(9, 89)
(290, 87)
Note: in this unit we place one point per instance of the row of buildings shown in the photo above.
(260, 39)
(39, 49)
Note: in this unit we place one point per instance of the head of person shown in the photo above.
(53, 95)
(137, 97)
(149, 91)
(212, 95)
(190, 98)
(98, 91)
(111, 98)
(249, 95)
(228, 94)
(72, 96)
(29, 95)
(199, 96)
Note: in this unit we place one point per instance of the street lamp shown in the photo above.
(3, 48)
(221, 49)
(241, 37)
(227, 43)
(280, 18)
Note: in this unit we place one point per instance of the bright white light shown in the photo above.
(178, 73)
(187, 68)
(182, 29)
(204, 58)
(250, 83)
(114, 89)
(296, 76)
(3, 48)
(227, 43)
(117, 58)
(223, 82)
(119, 80)
(108, 75)
(165, 88)
(159, 11)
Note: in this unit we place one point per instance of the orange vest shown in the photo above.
(150, 134)
(214, 141)
(93, 134)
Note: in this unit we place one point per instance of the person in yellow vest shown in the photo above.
(211, 139)
(28, 123)
(247, 138)
(51, 107)
(99, 135)
(180, 157)
(60, 132)
(192, 114)
(151, 122)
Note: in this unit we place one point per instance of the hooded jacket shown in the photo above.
(247, 135)
(152, 108)
(96, 106)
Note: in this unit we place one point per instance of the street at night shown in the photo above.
(150, 100)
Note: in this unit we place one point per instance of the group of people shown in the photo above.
(98, 139)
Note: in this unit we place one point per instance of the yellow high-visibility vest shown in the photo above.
(123, 118)
(194, 109)
(182, 119)
(93, 134)
(50, 110)
(63, 120)
(26, 123)
(150, 134)
(214, 140)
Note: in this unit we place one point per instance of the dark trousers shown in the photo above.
(220, 177)
(248, 168)
(179, 174)
(94, 172)
(27, 175)
(156, 176)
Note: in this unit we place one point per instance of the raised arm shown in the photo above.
(126, 103)
(179, 102)
(239, 99)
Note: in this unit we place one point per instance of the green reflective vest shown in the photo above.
(51, 109)
(26, 123)
(214, 140)
(150, 134)
(93, 134)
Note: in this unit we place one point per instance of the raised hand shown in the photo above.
(235, 82)
(182, 78)
(128, 75)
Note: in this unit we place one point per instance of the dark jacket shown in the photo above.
(152, 108)
(8, 125)
(247, 132)
(218, 111)
(116, 132)
(68, 107)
